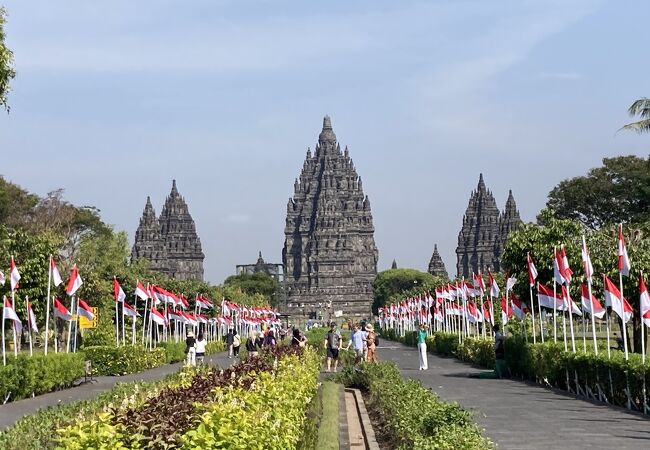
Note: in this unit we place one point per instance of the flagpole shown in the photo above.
(29, 325)
(566, 347)
(135, 307)
(645, 398)
(532, 312)
(123, 327)
(4, 355)
(555, 296)
(144, 317)
(570, 308)
(593, 319)
(56, 332)
(75, 313)
(47, 308)
(620, 283)
(117, 320)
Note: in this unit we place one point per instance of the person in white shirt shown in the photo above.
(200, 348)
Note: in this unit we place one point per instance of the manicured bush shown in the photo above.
(215, 347)
(411, 416)
(111, 360)
(445, 344)
(174, 351)
(38, 374)
(477, 351)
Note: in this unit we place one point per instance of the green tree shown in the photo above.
(256, 283)
(393, 284)
(640, 108)
(7, 72)
(617, 192)
(16, 204)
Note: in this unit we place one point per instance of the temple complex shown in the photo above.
(436, 265)
(485, 230)
(170, 243)
(329, 255)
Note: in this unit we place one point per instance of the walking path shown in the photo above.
(522, 416)
(10, 413)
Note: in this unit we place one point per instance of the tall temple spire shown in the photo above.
(436, 265)
(149, 243)
(329, 254)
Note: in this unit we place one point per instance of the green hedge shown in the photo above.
(110, 360)
(39, 374)
(412, 417)
(174, 351)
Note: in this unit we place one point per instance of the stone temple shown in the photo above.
(170, 243)
(485, 230)
(437, 265)
(329, 255)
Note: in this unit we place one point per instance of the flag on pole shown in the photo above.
(158, 317)
(519, 308)
(204, 302)
(591, 305)
(56, 275)
(31, 317)
(567, 273)
(61, 311)
(84, 310)
(568, 303)
(129, 310)
(623, 260)
(546, 298)
(9, 313)
(645, 302)
(614, 299)
(2, 278)
(118, 293)
(141, 291)
(74, 283)
(532, 271)
(586, 261)
(14, 276)
(506, 311)
(494, 288)
(510, 283)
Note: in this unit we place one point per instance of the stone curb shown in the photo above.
(366, 425)
(344, 438)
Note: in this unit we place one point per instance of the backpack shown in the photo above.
(236, 342)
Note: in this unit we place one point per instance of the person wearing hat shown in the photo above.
(190, 349)
(422, 347)
(370, 343)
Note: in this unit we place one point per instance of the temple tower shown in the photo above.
(330, 256)
(436, 265)
(149, 244)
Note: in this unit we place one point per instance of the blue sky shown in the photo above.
(114, 99)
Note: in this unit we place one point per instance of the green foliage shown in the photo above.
(38, 374)
(111, 360)
(328, 428)
(395, 284)
(619, 191)
(257, 283)
(16, 204)
(414, 417)
(7, 72)
(641, 108)
(174, 351)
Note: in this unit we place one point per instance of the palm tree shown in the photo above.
(640, 108)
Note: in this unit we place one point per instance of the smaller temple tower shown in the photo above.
(436, 265)
(149, 243)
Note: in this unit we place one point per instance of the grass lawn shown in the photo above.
(328, 431)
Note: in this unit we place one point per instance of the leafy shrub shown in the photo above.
(174, 351)
(445, 344)
(38, 374)
(111, 360)
(215, 347)
(477, 351)
(413, 417)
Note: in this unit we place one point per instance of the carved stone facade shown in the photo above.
(484, 233)
(170, 243)
(329, 255)
(274, 270)
(436, 265)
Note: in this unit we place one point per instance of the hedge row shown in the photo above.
(411, 416)
(548, 363)
(213, 409)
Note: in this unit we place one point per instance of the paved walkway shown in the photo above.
(10, 413)
(518, 415)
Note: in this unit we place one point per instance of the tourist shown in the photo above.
(357, 342)
(283, 334)
(422, 346)
(499, 353)
(230, 338)
(298, 339)
(370, 344)
(269, 340)
(332, 344)
(365, 341)
(252, 345)
(200, 349)
(236, 343)
(190, 349)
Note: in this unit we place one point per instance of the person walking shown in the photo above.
(269, 340)
(370, 342)
(230, 339)
(332, 344)
(296, 339)
(190, 349)
(357, 342)
(236, 343)
(499, 353)
(422, 347)
(200, 345)
(252, 344)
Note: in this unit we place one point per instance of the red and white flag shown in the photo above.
(2, 278)
(61, 311)
(32, 318)
(56, 275)
(84, 310)
(519, 308)
(158, 317)
(586, 261)
(129, 310)
(510, 283)
(568, 304)
(9, 313)
(614, 299)
(14, 276)
(487, 306)
(494, 288)
(546, 298)
(141, 291)
(623, 260)
(567, 273)
(506, 311)
(645, 302)
(204, 302)
(74, 283)
(589, 305)
(118, 293)
(532, 271)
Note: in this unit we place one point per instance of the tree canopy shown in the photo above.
(256, 283)
(619, 191)
(394, 284)
(640, 108)
(7, 72)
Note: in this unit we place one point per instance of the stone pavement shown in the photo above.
(10, 413)
(517, 415)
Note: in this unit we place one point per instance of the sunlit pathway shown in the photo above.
(517, 415)
(12, 412)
